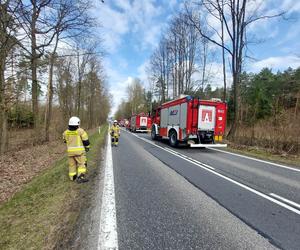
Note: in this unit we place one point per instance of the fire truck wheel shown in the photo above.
(153, 134)
(173, 138)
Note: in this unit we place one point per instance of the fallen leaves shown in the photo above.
(19, 167)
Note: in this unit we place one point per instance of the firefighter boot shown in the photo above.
(81, 179)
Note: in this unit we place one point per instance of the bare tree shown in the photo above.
(8, 41)
(70, 19)
(160, 69)
(235, 17)
(174, 61)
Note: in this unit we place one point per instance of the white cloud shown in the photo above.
(290, 5)
(151, 36)
(120, 82)
(136, 17)
(123, 4)
(114, 25)
(142, 72)
(276, 63)
(214, 75)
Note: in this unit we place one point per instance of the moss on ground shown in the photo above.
(47, 207)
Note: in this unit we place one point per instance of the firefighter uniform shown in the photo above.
(77, 144)
(115, 134)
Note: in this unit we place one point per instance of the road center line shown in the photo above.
(285, 200)
(254, 159)
(189, 159)
(108, 237)
(265, 196)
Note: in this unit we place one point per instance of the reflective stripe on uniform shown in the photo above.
(71, 174)
(74, 140)
(76, 149)
(81, 170)
(69, 132)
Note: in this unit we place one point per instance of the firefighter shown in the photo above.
(77, 145)
(115, 133)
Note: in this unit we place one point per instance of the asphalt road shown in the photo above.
(201, 199)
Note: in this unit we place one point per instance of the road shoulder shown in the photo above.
(44, 214)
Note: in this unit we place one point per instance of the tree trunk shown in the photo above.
(4, 132)
(48, 113)
(79, 85)
(223, 56)
(204, 65)
(34, 57)
(297, 104)
(3, 111)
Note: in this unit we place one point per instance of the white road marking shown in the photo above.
(286, 200)
(254, 159)
(265, 196)
(108, 237)
(189, 159)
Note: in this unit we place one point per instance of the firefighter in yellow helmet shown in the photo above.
(115, 133)
(77, 145)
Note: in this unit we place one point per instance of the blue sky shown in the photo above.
(131, 30)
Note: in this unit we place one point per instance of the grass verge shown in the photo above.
(293, 160)
(47, 208)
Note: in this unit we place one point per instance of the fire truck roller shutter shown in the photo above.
(174, 116)
(183, 119)
(164, 118)
(174, 120)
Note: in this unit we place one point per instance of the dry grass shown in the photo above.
(19, 166)
(42, 214)
(26, 160)
(281, 136)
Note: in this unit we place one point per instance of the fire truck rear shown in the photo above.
(140, 123)
(189, 120)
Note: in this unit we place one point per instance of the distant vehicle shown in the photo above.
(140, 123)
(189, 120)
(127, 124)
(121, 122)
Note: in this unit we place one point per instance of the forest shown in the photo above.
(263, 107)
(51, 68)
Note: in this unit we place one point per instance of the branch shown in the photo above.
(264, 17)
(205, 36)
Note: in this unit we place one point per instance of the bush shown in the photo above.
(20, 117)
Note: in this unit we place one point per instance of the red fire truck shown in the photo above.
(140, 123)
(198, 123)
